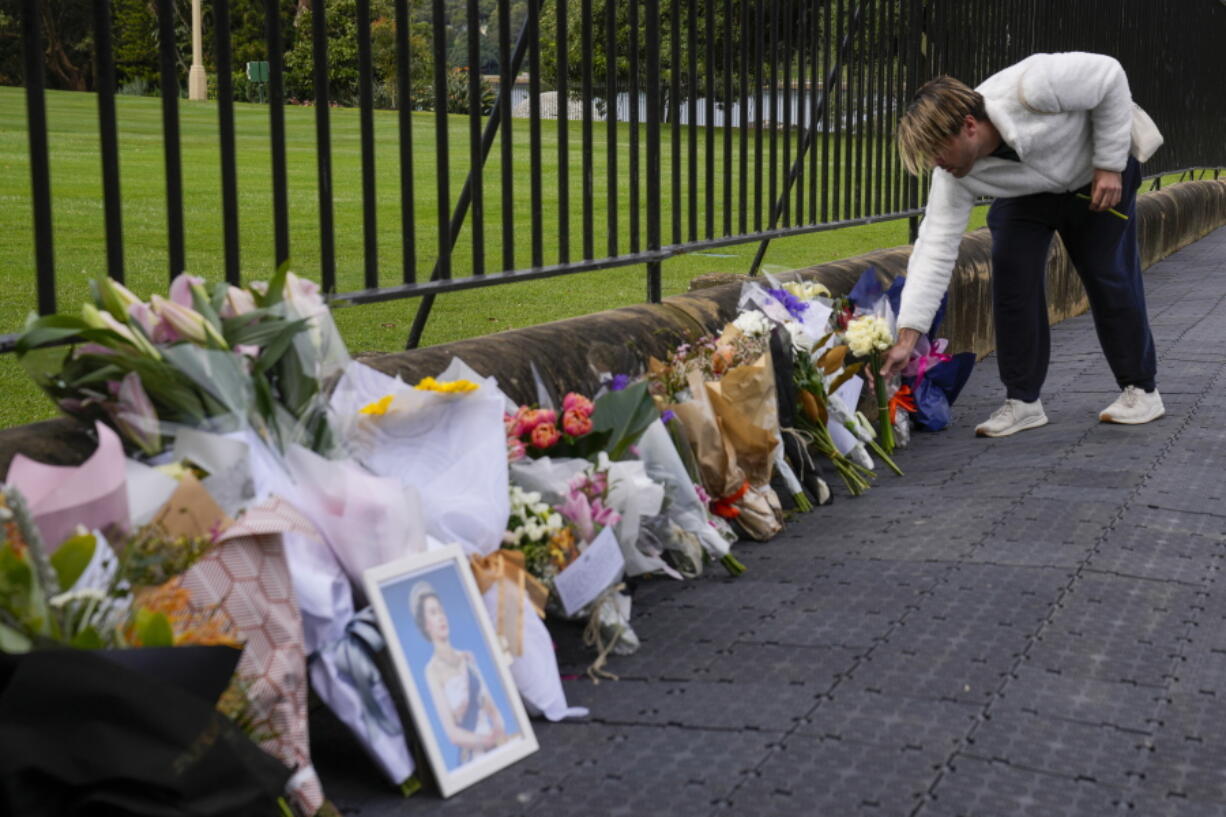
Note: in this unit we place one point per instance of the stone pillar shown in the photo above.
(197, 81)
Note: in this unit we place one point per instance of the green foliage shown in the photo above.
(624, 415)
(135, 42)
(67, 28)
(72, 557)
(152, 629)
(459, 94)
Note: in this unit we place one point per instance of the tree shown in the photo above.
(134, 37)
(67, 31)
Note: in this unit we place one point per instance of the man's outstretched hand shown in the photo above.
(898, 355)
(1106, 190)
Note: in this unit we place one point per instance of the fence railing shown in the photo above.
(648, 128)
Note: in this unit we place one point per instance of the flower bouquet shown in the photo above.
(933, 378)
(721, 389)
(221, 359)
(157, 590)
(868, 336)
(445, 437)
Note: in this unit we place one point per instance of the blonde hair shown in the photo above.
(935, 114)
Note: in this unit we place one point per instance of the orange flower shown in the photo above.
(545, 435)
(576, 423)
(199, 627)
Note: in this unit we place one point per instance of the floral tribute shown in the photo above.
(223, 358)
(538, 432)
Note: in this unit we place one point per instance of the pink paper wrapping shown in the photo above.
(246, 575)
(93, 494)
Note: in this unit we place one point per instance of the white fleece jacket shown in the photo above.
(1065, 115)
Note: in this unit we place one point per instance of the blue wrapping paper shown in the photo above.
(937, 392)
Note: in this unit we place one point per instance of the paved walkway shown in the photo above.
(1027, 626)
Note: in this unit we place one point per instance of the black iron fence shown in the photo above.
(627, 131)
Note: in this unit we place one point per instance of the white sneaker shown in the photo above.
(1012, 417)
(1134, 406)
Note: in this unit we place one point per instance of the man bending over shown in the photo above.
(1052, 139)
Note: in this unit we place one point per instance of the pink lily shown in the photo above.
(238, 302)
(136, 416)
(181, 289)
(187, 323)
(578, 510)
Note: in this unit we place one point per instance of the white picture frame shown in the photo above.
(451, 665)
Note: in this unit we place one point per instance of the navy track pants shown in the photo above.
(1103, 249)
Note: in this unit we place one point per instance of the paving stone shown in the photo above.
(1186, 770)
(1194, 716)
(818, 665)
(861, 716)
(969, 672)
(743, 593)
(809, 775)
(1095, 752)
(763, 706)
(639, 770)
(1111, 603)
(1133, 548)
(995, 595)
(1150, 801)
(979, 788)
(848, 628)
(1051, 523)
(1118, 661)
(1085, 700)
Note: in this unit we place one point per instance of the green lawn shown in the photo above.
(80, 242)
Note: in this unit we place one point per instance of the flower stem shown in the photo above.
(880, 453)
(732, 564)
(885, 428)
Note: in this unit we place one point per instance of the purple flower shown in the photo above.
(668, 416)
(795, 307)
(619, 382)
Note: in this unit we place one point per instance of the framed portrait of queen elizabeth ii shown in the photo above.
(451, 666)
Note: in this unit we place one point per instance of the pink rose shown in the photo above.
(545, 435)
(576, 423)
(515, 450)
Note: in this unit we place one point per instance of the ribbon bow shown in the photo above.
(505, 568)
(923, 362)
(724, 506)
(904, 398)
(353, 655)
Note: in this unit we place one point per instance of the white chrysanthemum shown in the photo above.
(753, 324)
(868, 333)
(806, 290)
